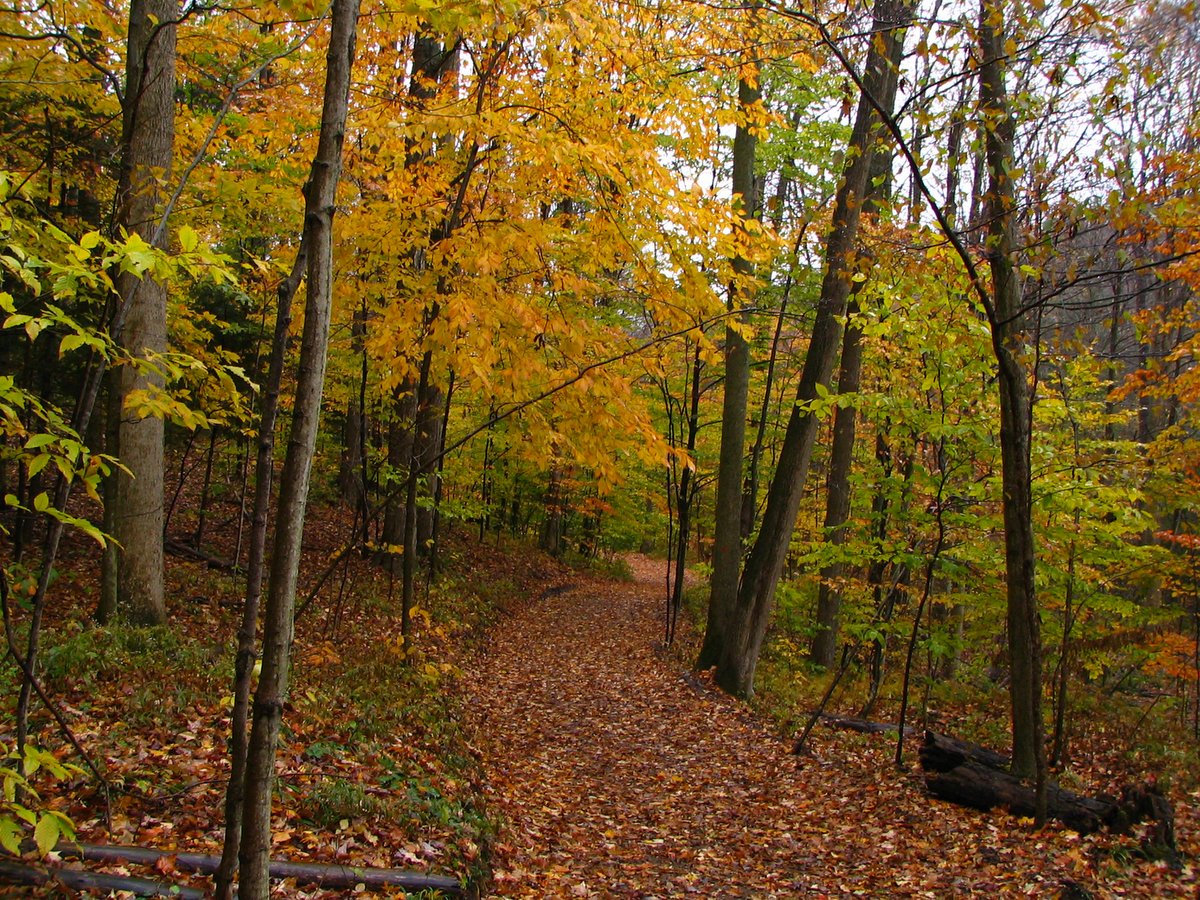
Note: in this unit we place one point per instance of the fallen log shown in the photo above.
(177, 547)
(941, 753)
(16, 873)
(317, 874)
(865, 726)
(976, 777)
(981, 787)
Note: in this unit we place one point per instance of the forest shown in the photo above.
(410, 408)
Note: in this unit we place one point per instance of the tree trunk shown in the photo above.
(750, 615)
(110, 560)
(320, 196)
(427, 453)
(727, 542)
(138, 322)
(975, 776)
(399, 455)
(264, 470)
(205, 490)
(329, 876)
(1024, 635)
(435, 532)
(886, 596)
(552, 525)
(837, 509)
(776, 206)
(408, 558)
(685, 494)
(823, 650)
(352, 479)
(148, 139)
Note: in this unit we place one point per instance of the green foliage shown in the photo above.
(614, 567)
(19, 803)
(36, 434)
(58, 284)
(334, 800)
(323, 749)
(91, 654)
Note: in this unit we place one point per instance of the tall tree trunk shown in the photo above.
(413, 436)
(685, 494)
(1024, 630)
(727, 541)
(110, 560)
(399, 455)
(264, 470)
(408, 558)
(436, 529)
(319, 207)
(148, 139)
(837, 504)
(353, 475)
(750, 615)
(147, 133)
(823, 649)
(776, 206)
(430, 412)
(552, 524)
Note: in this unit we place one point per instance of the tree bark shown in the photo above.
(110, 560)
(1024, 630)
(751, 612)
(551, 537)
(320, 204)
(426, 454)
(148, 141)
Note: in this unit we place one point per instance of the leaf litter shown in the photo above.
(613, 769)
(618, 773)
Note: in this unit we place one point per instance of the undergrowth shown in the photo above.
(1119, 730)
(373, 752)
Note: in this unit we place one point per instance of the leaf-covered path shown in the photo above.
(619, 774)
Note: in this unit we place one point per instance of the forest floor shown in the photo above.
(538, 743)
(618, 773)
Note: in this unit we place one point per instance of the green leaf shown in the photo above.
(33, 758)
(90, 240)
(40, 440)
(10, 836)
(46, 833)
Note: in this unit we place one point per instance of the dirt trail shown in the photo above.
(622, 775)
